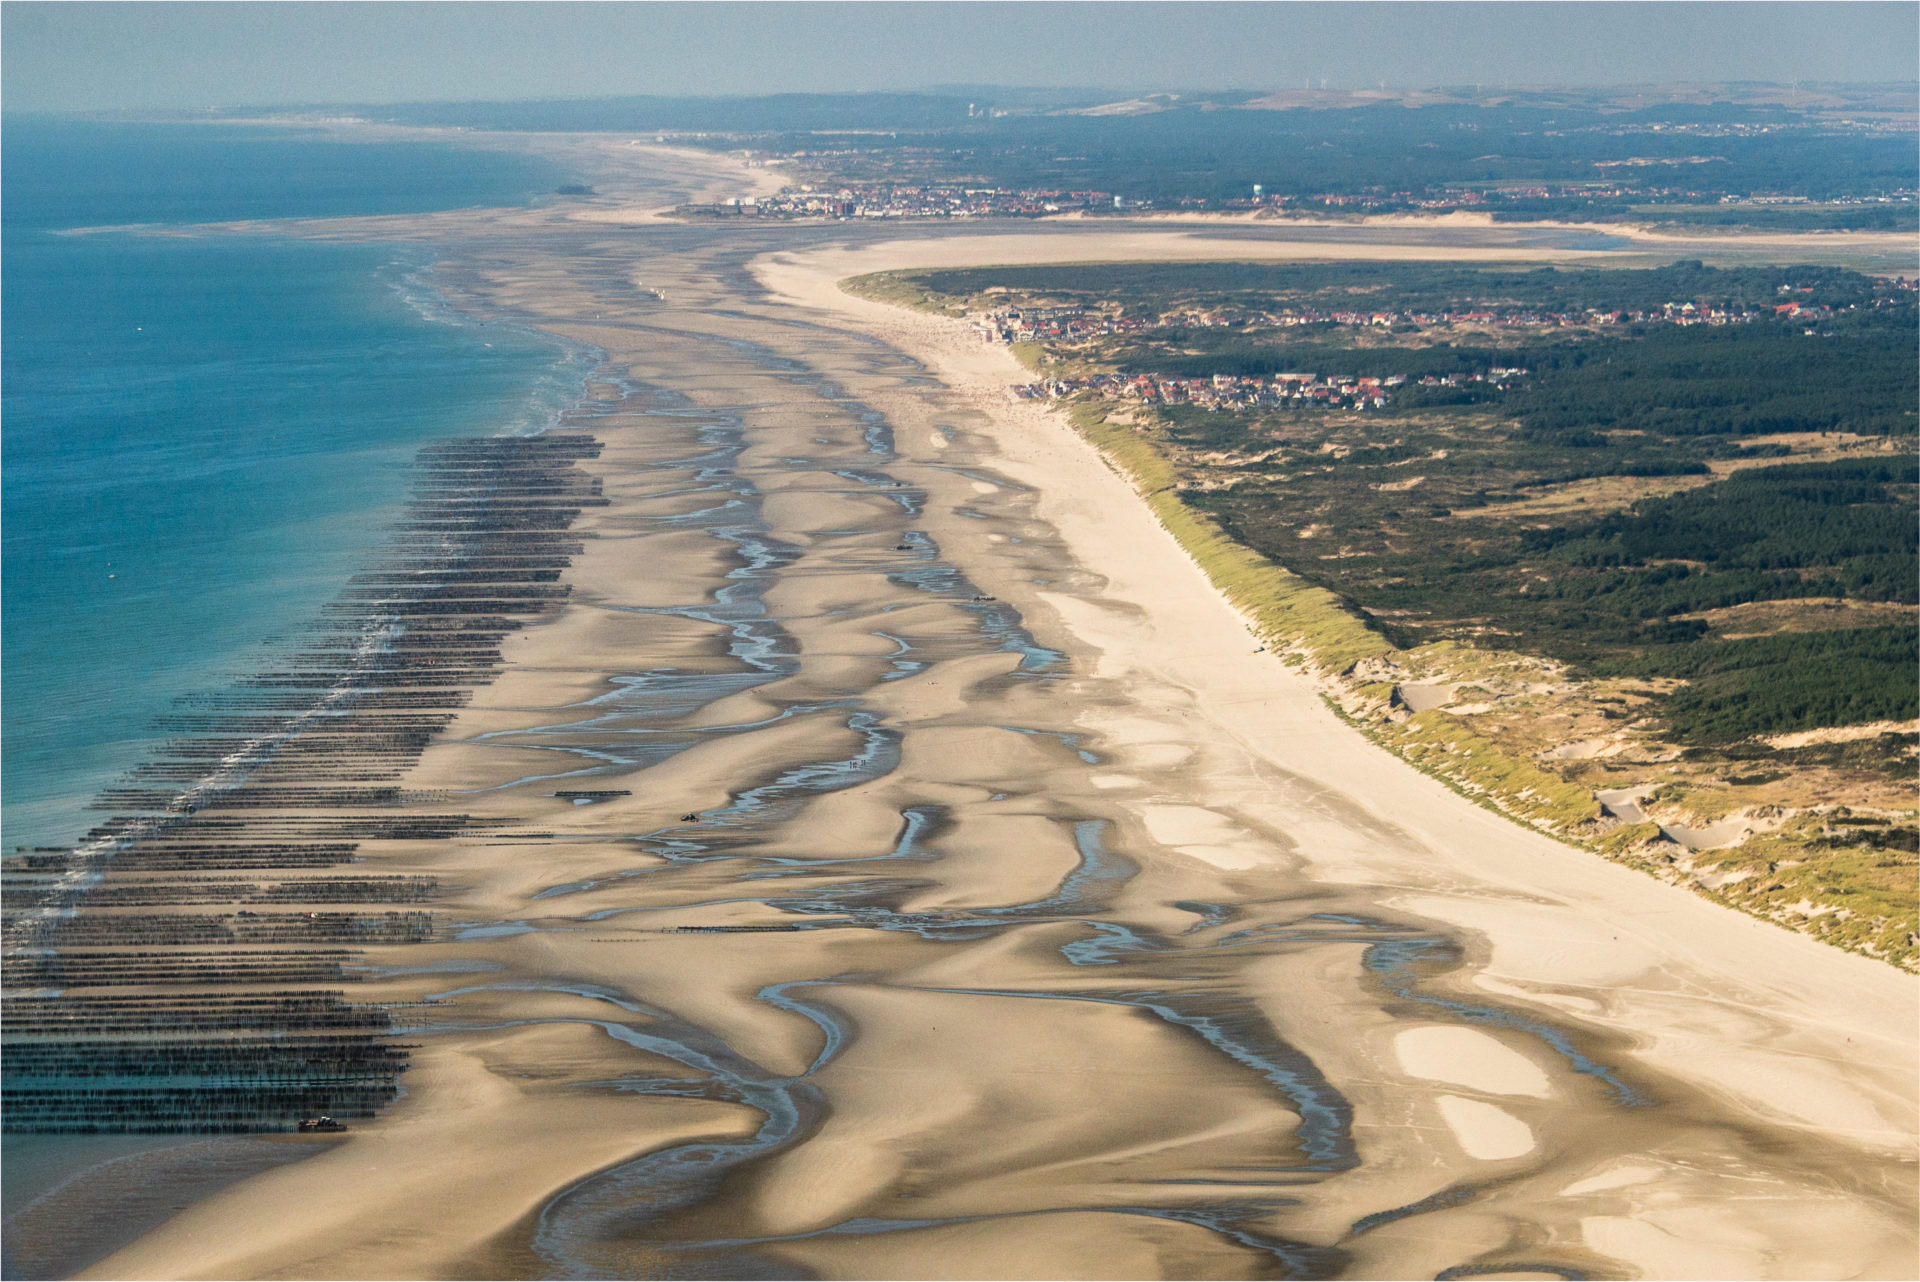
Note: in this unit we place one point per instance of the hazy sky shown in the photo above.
(79, 56)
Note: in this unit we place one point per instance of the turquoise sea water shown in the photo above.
(201, 435)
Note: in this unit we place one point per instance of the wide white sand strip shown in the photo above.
(1753, 1014)
(1467, 1057)
(1485, 1130)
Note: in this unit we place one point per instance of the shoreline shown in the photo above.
(1891, 252)
(1359, 672)
(701, 919)
(1787, 974)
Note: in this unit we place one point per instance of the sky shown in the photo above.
(69, 56)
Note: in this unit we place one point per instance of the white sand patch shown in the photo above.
(1229, 857)
(1197, 831)
(1620, 1177)
(1114, 781)
(1174, 825)
(1714, 836)
(1840, 734)
(981, 487)
(1422, 697)
(938, 440)
(1484, 1131)
(1624, 803)
(1468, 1057)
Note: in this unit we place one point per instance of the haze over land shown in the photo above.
(93, 57)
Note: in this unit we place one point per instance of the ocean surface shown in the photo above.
(202, 435)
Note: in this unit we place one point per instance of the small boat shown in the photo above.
(320, 1124)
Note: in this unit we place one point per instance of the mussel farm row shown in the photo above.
(185, 967)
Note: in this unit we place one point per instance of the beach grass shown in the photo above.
(900, 290)
(1499, 761)
(1317, 627)
(1859, 899)
(1288, 612)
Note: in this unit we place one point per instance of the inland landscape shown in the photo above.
(1198, 741)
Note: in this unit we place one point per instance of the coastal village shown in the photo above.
(1224, 391)
(892, 200)
(888, 201)
(1009, 325)
(1034, 324)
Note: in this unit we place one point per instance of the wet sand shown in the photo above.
(959, 897)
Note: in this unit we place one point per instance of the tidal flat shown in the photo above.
(890, 856)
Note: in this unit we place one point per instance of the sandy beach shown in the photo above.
(1670, 239)
(948, 889)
